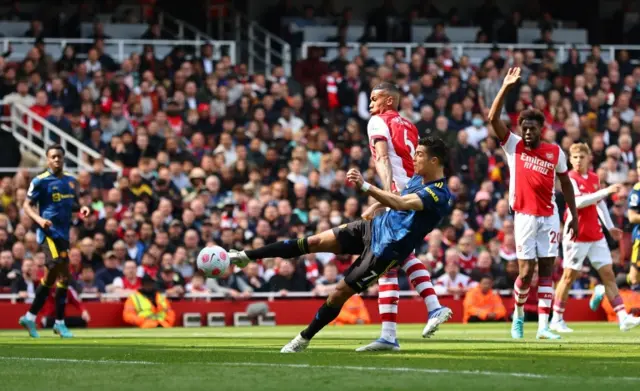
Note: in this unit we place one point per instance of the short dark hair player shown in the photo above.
(381, 243)
(54, 195)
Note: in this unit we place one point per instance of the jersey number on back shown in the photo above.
(412, 149)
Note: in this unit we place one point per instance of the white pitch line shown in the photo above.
(523, 375)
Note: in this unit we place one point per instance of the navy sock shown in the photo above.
(288, 249)
(324, 316)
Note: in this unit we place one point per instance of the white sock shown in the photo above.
(557, 316)
(388, 331)
(543, 321)
(30, 316)
(519, 312)
(621, 315)
(432, 303)
(60, 322)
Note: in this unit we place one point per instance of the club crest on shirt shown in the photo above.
(549, 155)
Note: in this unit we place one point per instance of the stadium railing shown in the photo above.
(476, 51)
(14, 298)
(119, 49)
(21, 125)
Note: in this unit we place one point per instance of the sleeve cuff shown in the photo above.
(505, 139)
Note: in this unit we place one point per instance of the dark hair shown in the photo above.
(486, 275)
(55, 147)
(531, 115)
(435, 147)
(387, 87)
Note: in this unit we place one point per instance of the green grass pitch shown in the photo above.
(460, 357)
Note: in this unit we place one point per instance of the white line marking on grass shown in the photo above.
(523, 375)
(73, 360)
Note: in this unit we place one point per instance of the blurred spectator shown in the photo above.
(353, 311)
(25, 284)
(87, 282)
(8, 274)
(230, 284)
(482, 304)
(171, 283)
(129, 282)
(453, 282)
(148, 308)
(287, 280)
(110, 272)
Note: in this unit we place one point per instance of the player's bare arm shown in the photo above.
(634, 217)
(30, 209)
(512, 77)
(570, 199)
(383, 164)
(386, 198)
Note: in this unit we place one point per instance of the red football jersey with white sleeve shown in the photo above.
(589, 227)
(532, 173)
(401, 137)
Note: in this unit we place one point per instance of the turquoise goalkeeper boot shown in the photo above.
(62, 331)
(30, 326)
(596, 298)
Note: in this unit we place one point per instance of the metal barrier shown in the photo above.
(13, 297)
(119, 49)
(476, 51)
(22, 121)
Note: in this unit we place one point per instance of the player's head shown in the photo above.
(579, 156)
(430, 157)
(385, 96)
(531, 122)
(55, 158)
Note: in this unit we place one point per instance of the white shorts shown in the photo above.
(575, 253)
(536, 236)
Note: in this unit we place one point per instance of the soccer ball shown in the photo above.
(213, 261)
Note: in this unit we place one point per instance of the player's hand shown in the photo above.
(369, 213)
(573, 230)
(512, 77)
(85, 316)
(616, 233)
(85, 211)
(354, 176)
(613, 189)
(45, 224)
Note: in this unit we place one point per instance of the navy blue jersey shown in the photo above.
(55, 197)
(634, 204)
(396, 234)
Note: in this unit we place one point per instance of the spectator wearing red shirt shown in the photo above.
(41, 108)
(73, 301)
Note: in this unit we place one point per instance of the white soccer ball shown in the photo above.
(213, 261)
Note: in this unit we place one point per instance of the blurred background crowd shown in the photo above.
(211, 153)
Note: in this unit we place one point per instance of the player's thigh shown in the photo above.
(352, 238)
(548, 236)
(525, 230)
(56, 255)
(366, 270)
(599, 254)
(574, 254)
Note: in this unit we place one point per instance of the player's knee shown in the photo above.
(314, 240)
(340, 295)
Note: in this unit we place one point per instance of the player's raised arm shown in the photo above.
(512, 77)
(386, 198)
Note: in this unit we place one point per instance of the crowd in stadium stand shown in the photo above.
(213, 154)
